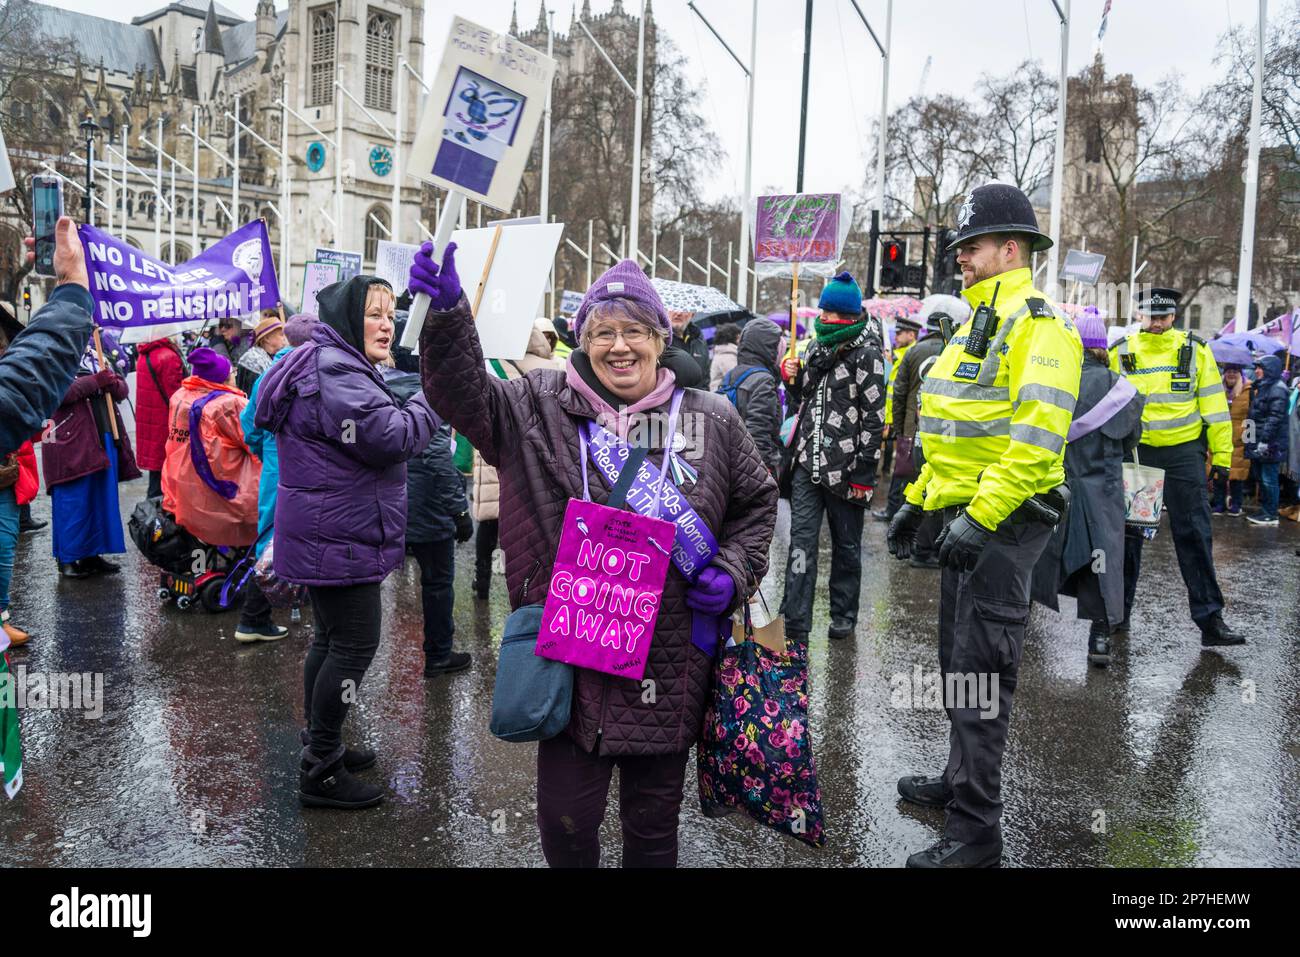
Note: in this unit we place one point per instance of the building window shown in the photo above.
(181, 253)
(374, 231)
(322, 58)
(1092, 146)
(1194, 316)
(1228, 312)
(381, 30)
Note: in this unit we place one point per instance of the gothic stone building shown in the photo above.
(189, 63)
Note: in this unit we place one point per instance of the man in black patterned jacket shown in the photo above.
(839, 390)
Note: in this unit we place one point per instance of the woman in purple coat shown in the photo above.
(340, 516)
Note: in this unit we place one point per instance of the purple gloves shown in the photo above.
(442, 286)
(712, 592)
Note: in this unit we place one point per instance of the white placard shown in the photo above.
(481, 115)
(570, 302)
(6, 171)
(514, 288)
(318, 276)
(393, 263)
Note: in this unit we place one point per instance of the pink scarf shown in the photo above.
(607, 415)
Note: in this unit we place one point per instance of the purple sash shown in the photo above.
(199, 456)
(1120, 394)
(652, 494)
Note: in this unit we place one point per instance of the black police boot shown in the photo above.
(327, 783)
(1123, 626)
(841, 629)
(950, 853)
(1099, 644)
(1214, 633)
(925, 791)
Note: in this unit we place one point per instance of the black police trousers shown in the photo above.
(982, 618)
(1189, 523)
(807, 504)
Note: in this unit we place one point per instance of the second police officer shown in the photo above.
(995, 410)
(1186, 409)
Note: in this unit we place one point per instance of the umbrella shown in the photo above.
(1254, 341)
(1230, 354)
(782, 319)
(686, 297)
(897, 307)
(708, 322)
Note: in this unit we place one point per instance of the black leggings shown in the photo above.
(347, 621)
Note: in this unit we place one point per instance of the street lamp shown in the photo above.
(89, 129)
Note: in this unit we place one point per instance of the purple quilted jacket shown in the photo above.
(528, 429)
(343, 441)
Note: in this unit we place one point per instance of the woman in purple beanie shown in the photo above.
(617, 392)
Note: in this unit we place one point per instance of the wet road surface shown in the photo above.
(1169, 757)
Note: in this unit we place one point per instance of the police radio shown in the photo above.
(982, 327)
(1184, 360)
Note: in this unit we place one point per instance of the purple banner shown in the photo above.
(149, 299)
(800, 227)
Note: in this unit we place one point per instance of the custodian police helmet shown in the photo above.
(1159, 302)
(998, 208)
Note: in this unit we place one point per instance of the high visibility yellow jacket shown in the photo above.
(1179, 401)
(993, 430)
(889, 387)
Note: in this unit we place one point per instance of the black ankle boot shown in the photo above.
(354, 759)
(325, 782)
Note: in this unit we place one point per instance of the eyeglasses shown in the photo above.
(633, 336)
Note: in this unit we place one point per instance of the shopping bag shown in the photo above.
(756, 752)
(1144, 494)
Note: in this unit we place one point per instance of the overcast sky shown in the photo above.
(1148, 38)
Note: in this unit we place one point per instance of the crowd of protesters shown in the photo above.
(316, 441)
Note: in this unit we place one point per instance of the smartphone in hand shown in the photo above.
(47, 207)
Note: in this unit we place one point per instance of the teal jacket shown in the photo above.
(262, 443)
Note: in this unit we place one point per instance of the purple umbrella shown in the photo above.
(782, 319)
(1230, 354)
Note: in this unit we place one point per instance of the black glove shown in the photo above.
(1218, 473)
(464, 527)
(961, 542)
(902, 530)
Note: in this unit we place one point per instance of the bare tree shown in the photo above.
(937, 152)
(1020, 108)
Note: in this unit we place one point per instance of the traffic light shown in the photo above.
(893, 260)
(27, 298)
(946, 273)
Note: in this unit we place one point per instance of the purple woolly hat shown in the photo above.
(1092, 330)
(210, 365)
(298, 329)
(623, 281)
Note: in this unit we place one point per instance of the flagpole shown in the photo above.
(1058, 161)
(286, 198)
(1241, 318)
(158, 199)
(194, 188)
(171, 201)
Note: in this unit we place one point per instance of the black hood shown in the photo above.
(758, 344)
(342, 307)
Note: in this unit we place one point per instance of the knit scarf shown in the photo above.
(834, 333)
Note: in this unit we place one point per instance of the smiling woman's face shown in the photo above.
(624, 352)
(380, 306)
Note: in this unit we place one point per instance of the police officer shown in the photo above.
(995, 410)
(906, 329)
(1186, 407)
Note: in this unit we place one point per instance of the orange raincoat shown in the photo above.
(198, 508)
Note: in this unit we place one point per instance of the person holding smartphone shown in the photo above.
(41, 361)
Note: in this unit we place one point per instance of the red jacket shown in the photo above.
(151, 404)
(29, 481)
